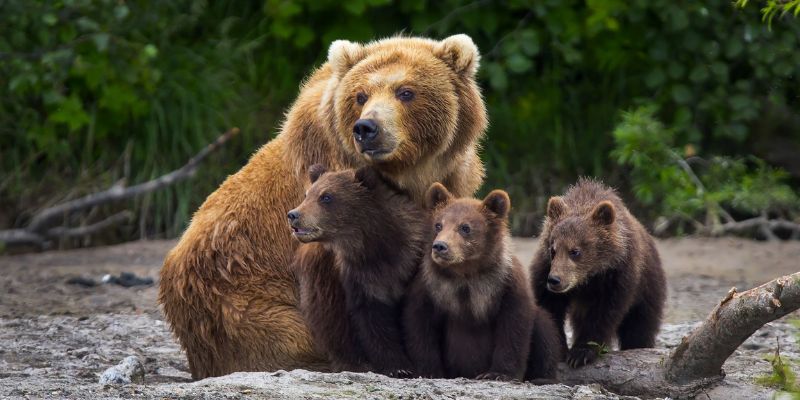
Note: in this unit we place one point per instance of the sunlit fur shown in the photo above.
(614, 288)
(226, 288)
(470, 313)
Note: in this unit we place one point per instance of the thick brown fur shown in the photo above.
(470, 312)
(226, 288)
(375, 234)
(604, 272)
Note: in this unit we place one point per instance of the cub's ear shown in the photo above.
(604, 213)
(556, 208)
(437, 195)
(497, 202)
(315, 171)
(343, 55)
(460, 53)
(368, 177)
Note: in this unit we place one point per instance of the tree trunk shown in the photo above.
(696, 363)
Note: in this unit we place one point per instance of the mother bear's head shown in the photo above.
(407, 103)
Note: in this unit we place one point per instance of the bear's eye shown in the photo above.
(405, 95)
(438, 227)
(552, 252)
(361, 99)
(465, 229)
(325, 198)
(574, 253)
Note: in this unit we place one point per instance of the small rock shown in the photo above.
(130, 370)
(81, 281)
(127, 279)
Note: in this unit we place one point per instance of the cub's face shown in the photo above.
(397, 100)
(577, 248)
(465, 229)
(330, 208)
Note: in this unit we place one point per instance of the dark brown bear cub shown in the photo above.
(470, 311)
(597, 263)
(372, 236)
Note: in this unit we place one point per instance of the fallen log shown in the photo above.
(696, 363)
(40, 233)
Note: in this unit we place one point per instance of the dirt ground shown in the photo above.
(56, 338)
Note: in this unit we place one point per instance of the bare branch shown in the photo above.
(41, 220)
(701, 354)
(696, 363)
(64, 233)
(759, 223)
(21, 237)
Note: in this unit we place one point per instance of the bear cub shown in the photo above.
(470, 311)
(368, 235)
(599, 265)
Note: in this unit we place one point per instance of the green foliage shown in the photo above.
(782, 377)
(97, 91)
(600, 348)
(694, 189)
(773, 7)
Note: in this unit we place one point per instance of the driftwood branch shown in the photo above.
(759, 223)
(47, 216)
(696, 363)
(738, 315)
(39, 232)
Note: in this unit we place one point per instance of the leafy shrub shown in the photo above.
(97, 91)
(688, 189)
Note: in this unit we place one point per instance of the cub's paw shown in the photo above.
(580, 356)
(400, 373)
(493, 376)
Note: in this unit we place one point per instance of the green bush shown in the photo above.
(96, 91)
(691, 192)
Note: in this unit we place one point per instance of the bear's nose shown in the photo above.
(293, 215)
(440, 247)
(553, 280)
(365, 130)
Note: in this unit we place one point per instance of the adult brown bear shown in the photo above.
(408, 106)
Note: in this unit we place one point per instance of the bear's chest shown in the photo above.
(468, 346)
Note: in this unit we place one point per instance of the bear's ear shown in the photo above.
(460, 53)
(498, 202)
(604, 213)
(368, 177)
(437, 195)
(343, 55)
(315, 171)
(556, 208)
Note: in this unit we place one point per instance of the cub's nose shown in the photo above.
(440, 247)
(553, 280)
(293, 215)
(365, 130)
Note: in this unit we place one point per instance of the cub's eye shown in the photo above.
(325, 198)
(465, 229)
(361, 98)
(553, 252)
(574, 253)
(438, 227)
(405, 95)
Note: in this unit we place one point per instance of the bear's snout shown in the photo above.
(440, 247)
(293, 215)
(555, 284)
(365, 131)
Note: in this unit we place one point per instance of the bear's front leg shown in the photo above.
(594, 327)
(381, 337)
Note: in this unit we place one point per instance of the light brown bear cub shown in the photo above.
(364, 243)
(598, 264)
(470, 312)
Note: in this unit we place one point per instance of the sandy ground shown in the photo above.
(56, 338)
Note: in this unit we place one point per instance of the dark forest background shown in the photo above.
(691, 109)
